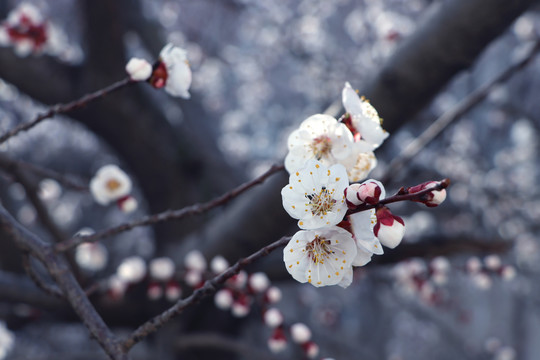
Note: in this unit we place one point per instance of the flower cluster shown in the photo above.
(481, 272)
(112, 184)
(324, 155)
(349, 141)
(171, 71)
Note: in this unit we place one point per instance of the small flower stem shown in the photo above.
(209, 288)
(168, 215)
(401, 195)
(64, 108)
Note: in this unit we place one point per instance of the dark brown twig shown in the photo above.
(64, 108)
(209, 287)
(455, 113)
(400, 196)
(168, 215)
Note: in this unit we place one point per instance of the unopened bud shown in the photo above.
(223, 299)
(389, 228)
(138, 69)
(273, 318)
(431, 199)
(300, 333)
(259, 282)
(277, 342)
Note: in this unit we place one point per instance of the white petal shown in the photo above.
(351, 100)
(362, 257)
(391, 236)
(347, 278)
(362, 226)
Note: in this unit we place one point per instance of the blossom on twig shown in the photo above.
(315, 195)
(172, 72)
(321, 257)
(110, 184)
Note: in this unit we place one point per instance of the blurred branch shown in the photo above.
(217, 341)
(194, 209)
(44, 173)
(455, 113)
(64, 108)
(19, 289)
(448, 41)
(209, 287)
(36, 278)
(62, 275)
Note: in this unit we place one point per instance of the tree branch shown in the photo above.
(209, 287)
(60, 272)
(194, 209)
(65, 108)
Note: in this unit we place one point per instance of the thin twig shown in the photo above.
(36, 278)
(455, 113)
(64, 108)
(194, 209)
(401, 196)
(209, 287)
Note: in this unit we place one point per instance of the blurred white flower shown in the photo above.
(315, 195)
(132, 269)
(172, 71)
(321, 257)
(109, 184)
(194, 260)
(273, 317)
(219, 264)
(258, 282)
(300, 333)
(7, 340)
(138, 69)
(273, 295)
(91, 256)
(161, 269)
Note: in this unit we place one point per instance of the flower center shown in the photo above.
(321, 146)
(112, 184)
(318, 250)
(322, 202)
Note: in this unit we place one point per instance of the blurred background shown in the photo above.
(462, 285)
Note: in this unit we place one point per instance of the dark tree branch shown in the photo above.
(209, 287)
(463, 107)
(43, 173)
(65, 108)
(62, 275)
(194, 209)
(448, 41)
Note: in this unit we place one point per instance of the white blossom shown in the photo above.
(128, 204)
(273, 294)
(172, 71)
(365, 123)
(109, 184)
(132, 269)
(194, 260)
(223, 299)
(300, 333)
(315, 195)
(91, 256)
(218, 264)
(320, 137)
(273, 317)
(259, 282)
(362, 224)
(161, 269)
(320, 257)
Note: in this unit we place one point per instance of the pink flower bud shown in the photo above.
(311, 349)
(277, 342)
(154, 291)
(368, 192)
(431, 199)
(241, 306)
(173, 291)
(389, 228)
(128, 204)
